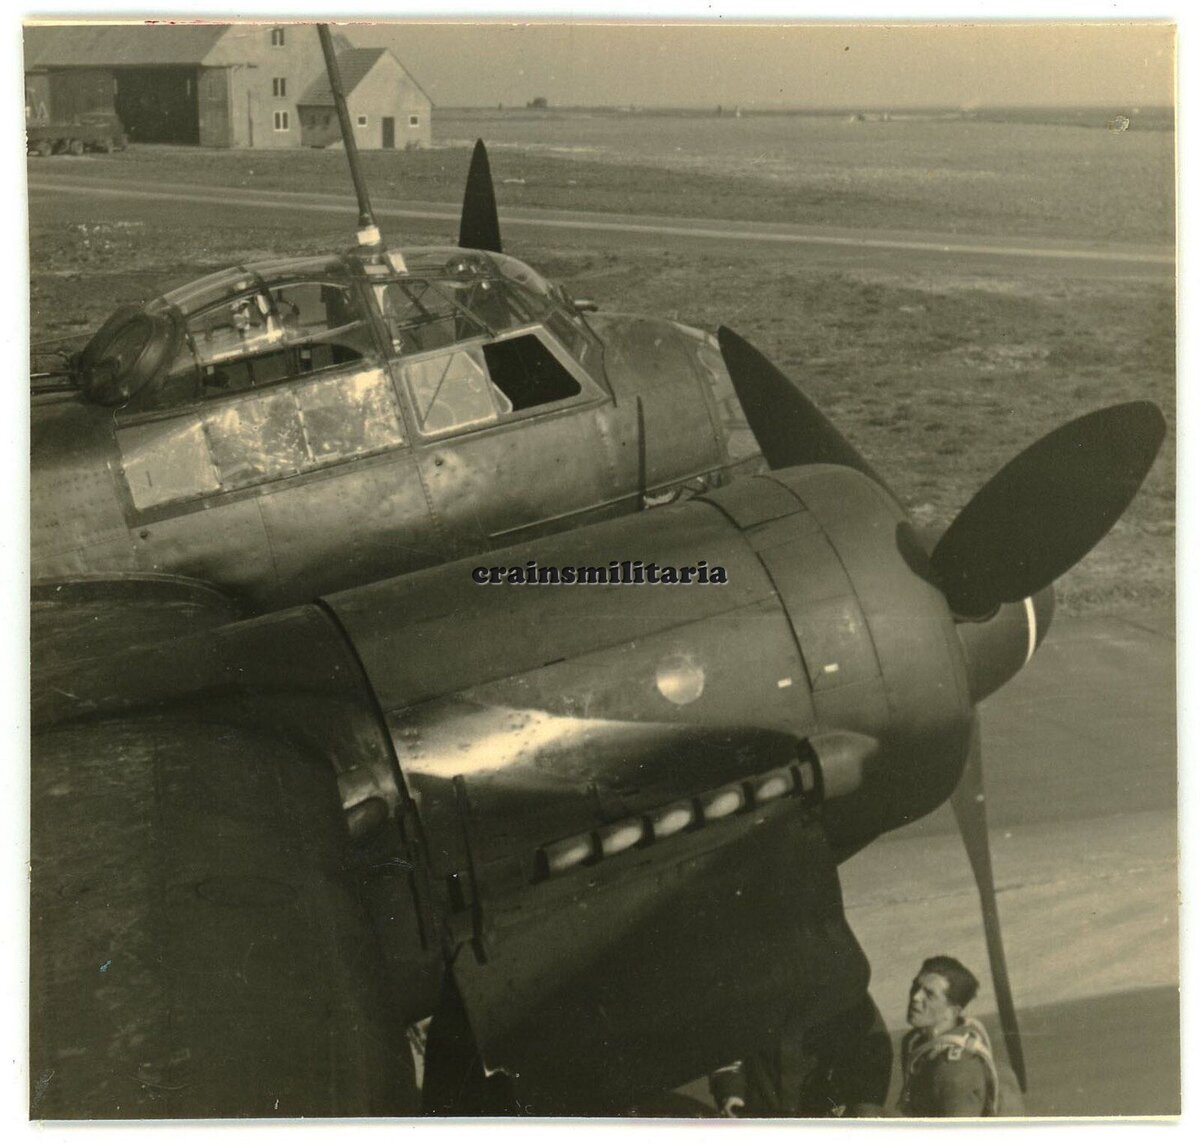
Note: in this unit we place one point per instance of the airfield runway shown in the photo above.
(875, 247)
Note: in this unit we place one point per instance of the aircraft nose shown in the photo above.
(997, 648)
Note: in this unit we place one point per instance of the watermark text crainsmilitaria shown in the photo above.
(633, 572)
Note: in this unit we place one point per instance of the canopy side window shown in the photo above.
(572, 337)
(479, 385)
(527, 373)
(266, 335)
(451, 391)
(420, 316)
(234, 329)
(282, 432)
(324, 321)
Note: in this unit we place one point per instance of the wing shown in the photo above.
(196, 949)
(196, 946)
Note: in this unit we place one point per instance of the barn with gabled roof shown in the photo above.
(388, 108)
(215, 85)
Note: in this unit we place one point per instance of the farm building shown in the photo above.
(387, 106)
(215, 85)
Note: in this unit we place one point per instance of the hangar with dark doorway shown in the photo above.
(158, 104)
(215, 85)
(218, 85)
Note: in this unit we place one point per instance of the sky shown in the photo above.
(890, 56)
(794, 64)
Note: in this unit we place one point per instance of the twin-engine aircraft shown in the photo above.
(595, 827)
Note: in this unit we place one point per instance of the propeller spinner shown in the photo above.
(1030, 523)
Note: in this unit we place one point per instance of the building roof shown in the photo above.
(354, 65)
(112, 45)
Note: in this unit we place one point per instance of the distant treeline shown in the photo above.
(1140, 119)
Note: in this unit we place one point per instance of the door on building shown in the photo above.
(213, 108)
(389, 132)
(159, 104)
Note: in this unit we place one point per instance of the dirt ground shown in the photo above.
(937, 378)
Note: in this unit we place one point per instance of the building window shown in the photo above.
(281, 120)
(279, 87)
(276, 37)
(414, 121)
(362, 120)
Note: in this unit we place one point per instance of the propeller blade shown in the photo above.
(970, 811)
(789, 428)
(1047, 508)
(480, 225)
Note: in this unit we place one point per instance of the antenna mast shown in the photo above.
(370, 240)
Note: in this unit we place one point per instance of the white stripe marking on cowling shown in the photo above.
(1031, 625)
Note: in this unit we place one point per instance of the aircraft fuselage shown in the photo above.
(320, 427)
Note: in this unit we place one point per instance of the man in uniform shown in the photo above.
(947, 1063)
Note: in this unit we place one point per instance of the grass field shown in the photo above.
(953, 175)
(937, 377)
(919, 171)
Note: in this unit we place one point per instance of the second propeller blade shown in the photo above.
(789, 428)
(1047, 508)
(971, 815)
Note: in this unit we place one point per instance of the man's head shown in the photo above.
(940, 991)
